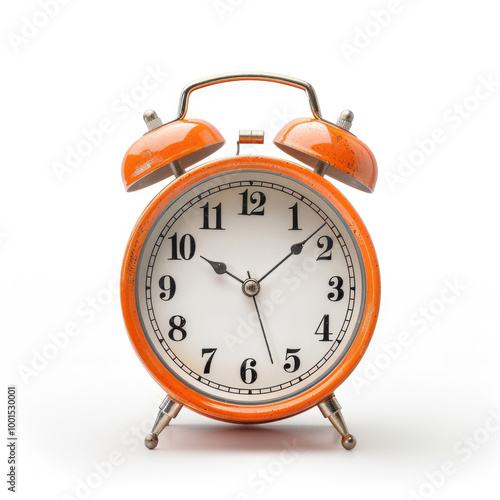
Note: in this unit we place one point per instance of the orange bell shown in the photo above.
(330, 150)
(168, 150)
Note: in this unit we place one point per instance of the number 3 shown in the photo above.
(336, 282)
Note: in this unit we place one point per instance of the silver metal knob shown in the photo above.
(345, 119)
(151, 119)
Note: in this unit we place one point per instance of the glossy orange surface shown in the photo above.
(185, 142)
(313, 141)
(204, 404)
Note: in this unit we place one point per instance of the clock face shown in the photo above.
(250, 288)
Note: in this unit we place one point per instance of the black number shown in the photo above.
(295, 218)
(326, 254)
(177, 328)
(256, 198)
(247, 372)
(167, 284)
(336, 282)
(185, 247)
(324, 329)
(206, 216)
(290, 354)
(209, 360)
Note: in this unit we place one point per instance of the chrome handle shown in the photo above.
(264, 77)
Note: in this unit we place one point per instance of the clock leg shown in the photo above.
(168, 410)
(331, 410)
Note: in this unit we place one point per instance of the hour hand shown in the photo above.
(220, 268)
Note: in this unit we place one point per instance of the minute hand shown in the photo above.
(295, 249)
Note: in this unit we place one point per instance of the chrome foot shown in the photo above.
(331, 410)
(169, 409)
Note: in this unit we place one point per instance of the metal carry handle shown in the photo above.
(264, 77)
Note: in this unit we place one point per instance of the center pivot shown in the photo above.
(251, 287)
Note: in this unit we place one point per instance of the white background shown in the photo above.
(417, 407)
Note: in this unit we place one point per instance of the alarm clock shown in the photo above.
(250, 286)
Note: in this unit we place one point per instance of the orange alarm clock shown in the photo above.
(250, 286)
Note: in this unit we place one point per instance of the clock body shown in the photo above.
(250, 289)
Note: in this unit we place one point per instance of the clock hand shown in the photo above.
(221, 268)
(295, 249)
(260, 321)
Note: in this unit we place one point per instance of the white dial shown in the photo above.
(250, 287)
